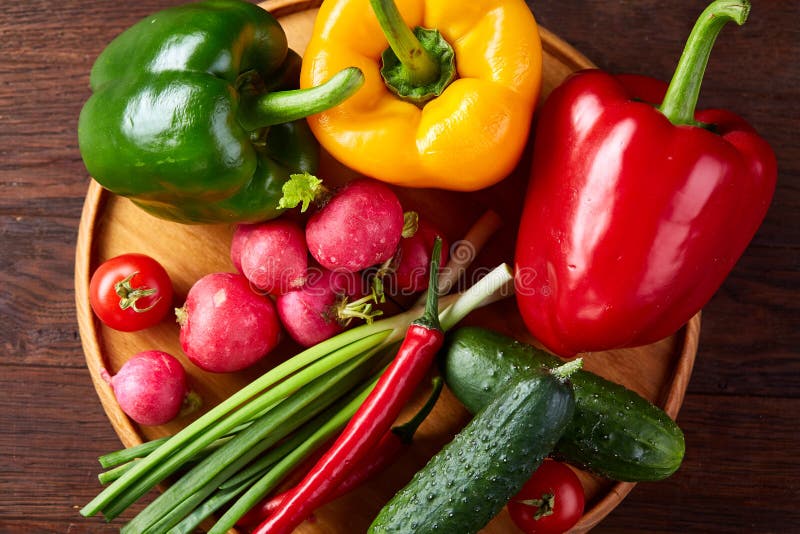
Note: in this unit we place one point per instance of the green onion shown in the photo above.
(278, 461)
(271, 479)
(113, 459)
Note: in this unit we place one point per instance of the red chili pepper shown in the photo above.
(385, 452)
(635, 214)
(373, 419)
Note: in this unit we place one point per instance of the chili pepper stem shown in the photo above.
(420, 67)
(430, 319)
(684, 89)
(407, 430)
(286, 106)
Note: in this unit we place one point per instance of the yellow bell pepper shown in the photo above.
(465, 137)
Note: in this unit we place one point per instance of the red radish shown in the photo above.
(272, 255)
(238, 243)
(414, 258)
(150, 387)
(225, 325)
(359, 227)
(319, 309)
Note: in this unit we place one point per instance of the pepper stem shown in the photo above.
(419, 64)
(407, 430)
(287, 106)
(684, 89)
(430, 318)
(420, 67)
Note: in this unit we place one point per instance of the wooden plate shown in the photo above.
(111, 225)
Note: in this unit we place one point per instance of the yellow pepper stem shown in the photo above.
(420, 66)
(419, 63)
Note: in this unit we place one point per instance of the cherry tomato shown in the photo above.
(130, 292)
(550, 502)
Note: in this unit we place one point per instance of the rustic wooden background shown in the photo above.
(741, 472)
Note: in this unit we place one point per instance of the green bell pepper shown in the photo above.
(192, 116)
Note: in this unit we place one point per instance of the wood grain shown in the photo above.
(740, 474)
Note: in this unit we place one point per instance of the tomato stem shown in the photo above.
(544, 505)
(129, 295)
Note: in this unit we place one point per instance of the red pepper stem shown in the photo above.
(680, 100)
(430, 319)
(407, 430)
(420, 68)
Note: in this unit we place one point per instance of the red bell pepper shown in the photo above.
(636, 213)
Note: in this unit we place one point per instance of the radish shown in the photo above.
(273, 255)
(225, 325)
(238, 243)
(151, 387)
(413, 258)
(359, 227)
(320, 309)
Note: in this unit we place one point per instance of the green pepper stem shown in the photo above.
(684, 89)
(421, 68)
(286, 106)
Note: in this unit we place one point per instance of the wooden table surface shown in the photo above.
(741, 472)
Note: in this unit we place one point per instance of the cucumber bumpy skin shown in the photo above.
(615, 433)
(470, 480)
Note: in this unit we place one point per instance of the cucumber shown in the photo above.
(615, 433)
(470, 480)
